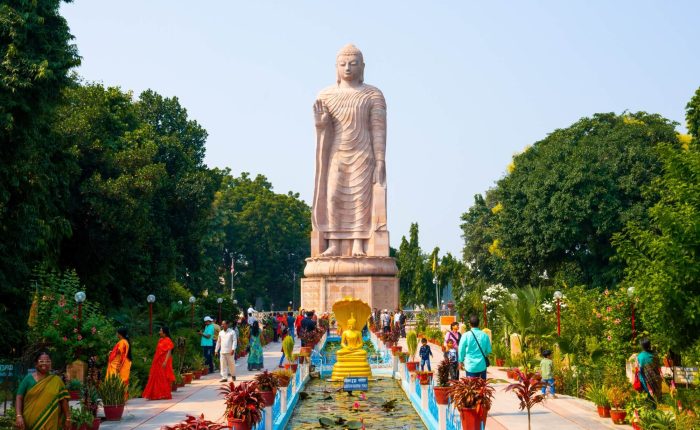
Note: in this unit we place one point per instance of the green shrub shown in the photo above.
(412, 344)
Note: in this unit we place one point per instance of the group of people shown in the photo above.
(389, 320)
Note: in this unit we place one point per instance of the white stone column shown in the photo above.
(268, 417)
(442, 417)
(283, 399)
(395, 369)
(424, 397)
(402, 371)
(412, 383)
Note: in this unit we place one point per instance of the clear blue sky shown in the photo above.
(467, 83)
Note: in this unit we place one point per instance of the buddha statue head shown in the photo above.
(350, 65)
(351, 322)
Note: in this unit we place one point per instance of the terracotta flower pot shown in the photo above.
(294, 367)
(236, 424)
(500, 362)
(442, 395)
(425, 378)
(618, 416)
(603, 411)
(403, 358)
(205, 371)
(187, 377)
(411, 365)
(395, 349)
(471, 420)
(268, 397)
(74, 394)
(113, 412)
(197, 374)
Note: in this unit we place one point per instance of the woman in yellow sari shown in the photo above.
(42, 399)
(119, 362)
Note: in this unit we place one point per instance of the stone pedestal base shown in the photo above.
(321, 292)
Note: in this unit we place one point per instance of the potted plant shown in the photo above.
(288, 349)
(499, 352)
(197, 364)
(113, 393)
(403, 357)
(424, 376)
(599, 396)
(528, 390)
(296, 358)
(473, 398)
(179, 381)
(81, 418)
(412, 345)
(194, 423)
(618, 398)
(284, 377)
(396, 349)
(91, 401)
(442, 384)
(244, 405)
(267, 386)
(74, 386)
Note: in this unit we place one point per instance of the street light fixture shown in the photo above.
(219, 301)
(630, 294)
(150, 299)
(484, 299)
(192, 300)
(557, 296)
(79, 299)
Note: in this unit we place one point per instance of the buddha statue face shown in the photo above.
(350, 65)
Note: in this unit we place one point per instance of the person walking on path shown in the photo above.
(547, 373)
(255, 357)
(451, 356)
(649, 372)
(402, 323)
(453, 335)
(290, 323)
(307, 325)
(282, 337)
(225, 346)
(42, 399)
(119, 361)
(386, 321)
(473, 349)
(425, 354)
(207, 343)
(161, 376)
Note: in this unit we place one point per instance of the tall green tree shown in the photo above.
(661, 257)
(415, 276)
(36, 56)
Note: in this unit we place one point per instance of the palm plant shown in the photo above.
(522, 316)
(412, 344)
(527, 389)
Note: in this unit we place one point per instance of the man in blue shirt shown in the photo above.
(474, 346)
(208, 343)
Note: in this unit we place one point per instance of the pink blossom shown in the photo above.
(65, 339)
(599, 315)
(75, 330)
(356, 405)
(80, 337)
(93, 330)
(617, 320)
(75, 317)
(609, 337)
(606, 292)
(609, 309)
(55, 322)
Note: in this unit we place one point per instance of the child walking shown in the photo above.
(425, 354)
(451, 356)
(547, 372)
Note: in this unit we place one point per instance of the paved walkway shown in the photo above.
(200, 397)
(562, 413)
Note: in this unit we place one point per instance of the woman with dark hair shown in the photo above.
(649, 371)
(255, 357)
(42, 399)
(119, 362)
(161, 376)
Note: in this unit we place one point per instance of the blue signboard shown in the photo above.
(355, 384)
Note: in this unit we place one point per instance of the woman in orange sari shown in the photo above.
(119, 362)
(161, 376)
(42, 399)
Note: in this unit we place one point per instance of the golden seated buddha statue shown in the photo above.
(351, 358)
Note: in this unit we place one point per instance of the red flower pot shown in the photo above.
(500, 362)
(74, 394)
(96, 424)
(471, 419)
(618, 416)
(603, 411)
(395, 349)
(411, 365)
(636, 426)
(114, 412)
(205, 371)
(187, 378)
(197, 374)
(236, 424)
(294, 367)
(268, 397)
(425, 378)
(442, 395)
(403, 358)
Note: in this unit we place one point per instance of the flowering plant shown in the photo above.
(243, 402)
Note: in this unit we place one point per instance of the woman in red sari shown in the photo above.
(161, 376)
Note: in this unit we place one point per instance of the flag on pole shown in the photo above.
(232, 268)
(435, 263)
